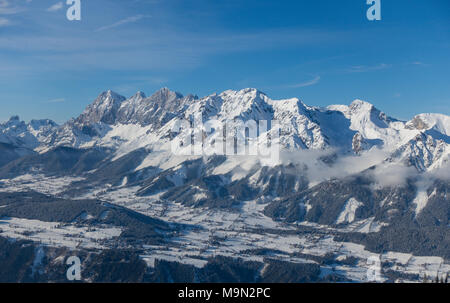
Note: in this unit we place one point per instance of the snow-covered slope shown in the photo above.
(437, 122)
(423, 152)
(26, 135)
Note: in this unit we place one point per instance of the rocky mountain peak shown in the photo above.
(166, 94)
(103, 109)
(139, 95)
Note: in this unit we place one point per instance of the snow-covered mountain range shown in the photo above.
(139, 121)
(349, 175)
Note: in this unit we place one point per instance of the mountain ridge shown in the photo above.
(350, 129)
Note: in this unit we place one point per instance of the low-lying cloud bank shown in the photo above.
(325, 165)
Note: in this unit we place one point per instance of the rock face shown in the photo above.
(155, 110)
(104, 109)
(358, 144)
(417, 123)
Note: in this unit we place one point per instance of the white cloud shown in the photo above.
(384, 174)
(168, 47)
(55, 7)
(393, 174)
(307, 83)
(366, 68)
(9, 8)
(419, 63)
(6, 8)
(318, 171)
(442, 173)
(131, 19)
(4, 22)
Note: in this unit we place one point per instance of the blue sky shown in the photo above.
(321, 51)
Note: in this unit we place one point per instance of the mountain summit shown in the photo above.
(104, 109)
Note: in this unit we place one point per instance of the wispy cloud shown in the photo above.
(419, 63)
(306, 83)
(131, 19)
(7, 8)
(368, 68)
(169, 48)
(55, 7)
(4, 22)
